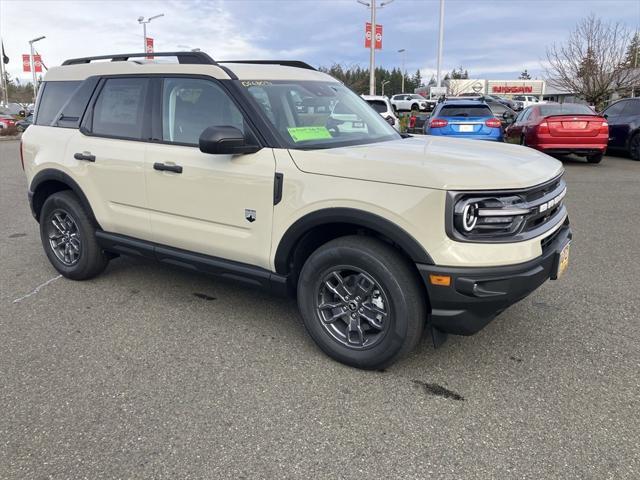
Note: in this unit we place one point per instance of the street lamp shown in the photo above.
(384, 82)
(403, 53)
(372, 5)
(440, 44)
(32, 64)
(144, 22)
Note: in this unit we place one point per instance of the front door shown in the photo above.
(218, 205)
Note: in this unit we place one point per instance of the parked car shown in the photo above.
(417, 122)
(408, 102)
(7, 121)
(501, 111)
(623, 117)
(208, 165)
(382, 105)
(22, 125)
(528, 100)
(561, 128)
(464, 119)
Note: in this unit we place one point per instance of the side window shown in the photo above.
(632, 107)
(119, 110)
(54, 96)
(191, 105)
(615, 109)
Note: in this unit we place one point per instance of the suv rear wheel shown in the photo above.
(68, 237)
(361, 302)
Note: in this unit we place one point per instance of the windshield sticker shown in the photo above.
(303, 134)
(256, 83)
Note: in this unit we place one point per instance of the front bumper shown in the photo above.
(476, 295)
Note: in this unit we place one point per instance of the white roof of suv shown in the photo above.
(198, 63)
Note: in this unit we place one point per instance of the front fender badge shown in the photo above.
(250, 215)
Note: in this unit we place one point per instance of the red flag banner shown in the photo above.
(149, 47)
(37, 63)
(367, 36)
(26, 63)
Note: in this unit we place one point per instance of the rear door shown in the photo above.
(109, 151)
(218, 205)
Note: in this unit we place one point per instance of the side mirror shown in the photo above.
(225, 140)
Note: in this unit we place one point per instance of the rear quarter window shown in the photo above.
(378, 105)
(465, 111)
(52, 97)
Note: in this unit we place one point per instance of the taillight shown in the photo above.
(21, 156)
(543, 127)
(412, 121)
(438, 123)
(493, 123)
(604, 128)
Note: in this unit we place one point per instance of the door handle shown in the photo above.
(167, 168)
(86, 156)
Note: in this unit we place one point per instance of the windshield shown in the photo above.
(565, 109)
(465, 111)
(309, 114)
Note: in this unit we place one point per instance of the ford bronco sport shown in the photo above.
(211, 166)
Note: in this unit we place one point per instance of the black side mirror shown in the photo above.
(225, 140)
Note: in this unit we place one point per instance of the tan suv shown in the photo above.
(245, 170)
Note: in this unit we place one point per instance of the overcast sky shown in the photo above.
(490, 38)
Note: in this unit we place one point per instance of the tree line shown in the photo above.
(357, 79)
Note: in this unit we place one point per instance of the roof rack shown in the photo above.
(200, 58)
(284, 63)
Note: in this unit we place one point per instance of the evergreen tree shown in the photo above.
(525, 75)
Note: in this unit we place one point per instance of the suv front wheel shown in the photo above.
(68, 237)
(361, 302)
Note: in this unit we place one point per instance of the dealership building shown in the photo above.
(504, 88)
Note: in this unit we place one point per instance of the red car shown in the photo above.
(7, 121)
(560, 129)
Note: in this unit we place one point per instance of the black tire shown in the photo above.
(634, 147)
(595, 158)
(399, 293)
(90, 260)
(523, 142)
(414, 107)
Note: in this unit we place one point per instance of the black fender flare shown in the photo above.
(50, 174)
(351, 216)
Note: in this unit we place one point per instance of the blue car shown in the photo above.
(464, 119)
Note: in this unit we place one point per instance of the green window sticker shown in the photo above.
(302, 134)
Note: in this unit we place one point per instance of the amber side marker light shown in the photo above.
(442, 280)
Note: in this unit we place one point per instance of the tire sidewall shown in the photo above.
(311, 277)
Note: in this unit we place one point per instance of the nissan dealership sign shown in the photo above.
(496, 87)
(515, 87)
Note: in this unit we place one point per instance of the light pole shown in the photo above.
(144, 22)
(440, 42)
(32, 64)
(403, 53)
(384, 82)
(372, 5)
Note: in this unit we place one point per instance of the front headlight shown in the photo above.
(478, 217)
(505, 216)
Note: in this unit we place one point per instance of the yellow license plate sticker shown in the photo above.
(563, 261)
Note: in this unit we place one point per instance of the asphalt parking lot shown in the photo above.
(150, 372)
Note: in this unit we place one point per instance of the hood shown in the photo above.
(434, 162)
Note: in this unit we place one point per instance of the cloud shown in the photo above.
(488, 38)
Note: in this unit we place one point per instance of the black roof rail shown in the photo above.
(285, 63)
(199, 58)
